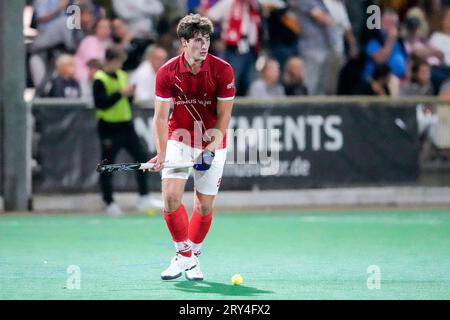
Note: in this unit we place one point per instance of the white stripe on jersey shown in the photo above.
(163, 99)
(225, 99)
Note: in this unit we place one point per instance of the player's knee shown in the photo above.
(172, 202)
(203, 208)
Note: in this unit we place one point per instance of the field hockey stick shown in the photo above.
(102, 167)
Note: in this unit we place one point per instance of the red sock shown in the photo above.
(178, 224)
(199, 226)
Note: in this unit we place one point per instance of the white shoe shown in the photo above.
(194, 274)
(147, 202)
(114, 210)
(178, 265)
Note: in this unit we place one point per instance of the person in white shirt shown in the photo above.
(440, 40)
(144, 76)
(49, 12)
(342, 29)
(269, 85)
(87, 83)
(140, 16)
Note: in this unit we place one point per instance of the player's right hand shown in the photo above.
(158, 162)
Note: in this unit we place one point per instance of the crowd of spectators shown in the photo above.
(277, 48)
(307, 47)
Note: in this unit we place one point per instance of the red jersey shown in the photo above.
(194, 96)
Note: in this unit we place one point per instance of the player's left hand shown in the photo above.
(204, 160)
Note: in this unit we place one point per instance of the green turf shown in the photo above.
(296, 255)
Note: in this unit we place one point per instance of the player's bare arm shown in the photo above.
(224, 109)
(160, 131)
(215, 135)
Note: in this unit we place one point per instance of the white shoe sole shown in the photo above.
(171, 277)
(179, 275)
(193, 278)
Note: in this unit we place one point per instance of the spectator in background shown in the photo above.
(64, 84)
(441, 41)
(140, 16)
(217, 46)
(385, 47)
(241, 33)
(444, 91)
(315, 44)
(169, 41)
(192, 6)
(93, 47)
(61, 36)
(100, 8)
(378, 84)
(349, 76)
(340, 31)
(293, 77)
(120, 33)
(417, 46)
(419, 83)
(53, 41)
(268, 86)
(284, 31)
(145, 74)
(93, 66)
(357, 13)
(48, 13)
(400, 6)
(112, 95)
(133, 46)
(174, 9)
(416, 29)
(200, 6)
(424, 25)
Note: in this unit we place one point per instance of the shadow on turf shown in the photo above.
(219, 288)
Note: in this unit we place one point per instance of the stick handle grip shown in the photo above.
(173, 165)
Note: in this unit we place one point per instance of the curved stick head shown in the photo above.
(100, 166)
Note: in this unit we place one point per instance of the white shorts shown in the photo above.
(206, 182)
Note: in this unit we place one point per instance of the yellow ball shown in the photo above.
(151, 212)
(237, 280)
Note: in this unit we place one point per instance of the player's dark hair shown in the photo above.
(192, 24)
